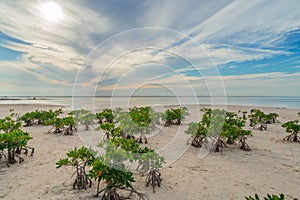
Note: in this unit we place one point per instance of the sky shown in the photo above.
(166, 47)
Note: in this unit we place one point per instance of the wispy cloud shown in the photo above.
(193, 41)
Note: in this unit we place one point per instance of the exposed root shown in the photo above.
(196, 141)
(2, 155)
(173, 122)
(167, 123)
(230, 140)
(81, 180)
(86, 127)
(244, 145)
(153, 179)
(69, 130)
(141, 196)
(26, 149)
(140, 139)
(111, 194)
(20, 158)
(292, 138)
(108, 194)
(263, 127)
(57, 130)
(218, 145)
(128, 136)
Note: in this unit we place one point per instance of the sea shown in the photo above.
(122, 101)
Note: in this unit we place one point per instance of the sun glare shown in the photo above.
(51, 11)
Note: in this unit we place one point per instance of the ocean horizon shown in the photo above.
(129, 101)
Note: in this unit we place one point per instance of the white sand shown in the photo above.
(272, 166)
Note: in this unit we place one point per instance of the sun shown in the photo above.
(51, 11)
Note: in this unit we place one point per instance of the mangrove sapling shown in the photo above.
(70, 125)
(155, 119)
(8, 125)
(272, 118)
(153, 162)
(66, 125)
(233, 130)
(84, 117)
(105, 116)
(292, 127)
(28, 118)
(110, 168)
(210, 126)
(143, 165)
(57, 125)
(222, 127)
(198, 133)
(80, 159)
(258, 117)
(129, 127)
(110, 130)
(174, 116)
(39, 117)
(216, 120)
(13, 142)
(119, 178)
(87, 120)
(141, 116)
(15, 115)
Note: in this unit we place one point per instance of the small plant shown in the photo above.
(13, 140)
(15, 115)
(153, 162)
(105, 116)
(141, 116)
(80, 159)
(84, 117)
(198, 132)
(220, 126)
(110, 130)
(154, 118)
(87, 120)
(258, 117)
(110, 168)
(174, 116)
(39, 117)
(66, 125)
(149, 160)
(292, 127)
(272, 118)
(8, 125)
(129, 127)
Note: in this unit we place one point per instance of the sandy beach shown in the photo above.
(272, 166)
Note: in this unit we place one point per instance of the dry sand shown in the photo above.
(272, 166)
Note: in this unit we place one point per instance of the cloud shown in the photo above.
(193, 39)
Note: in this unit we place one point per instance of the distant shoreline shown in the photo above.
(17, 99)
